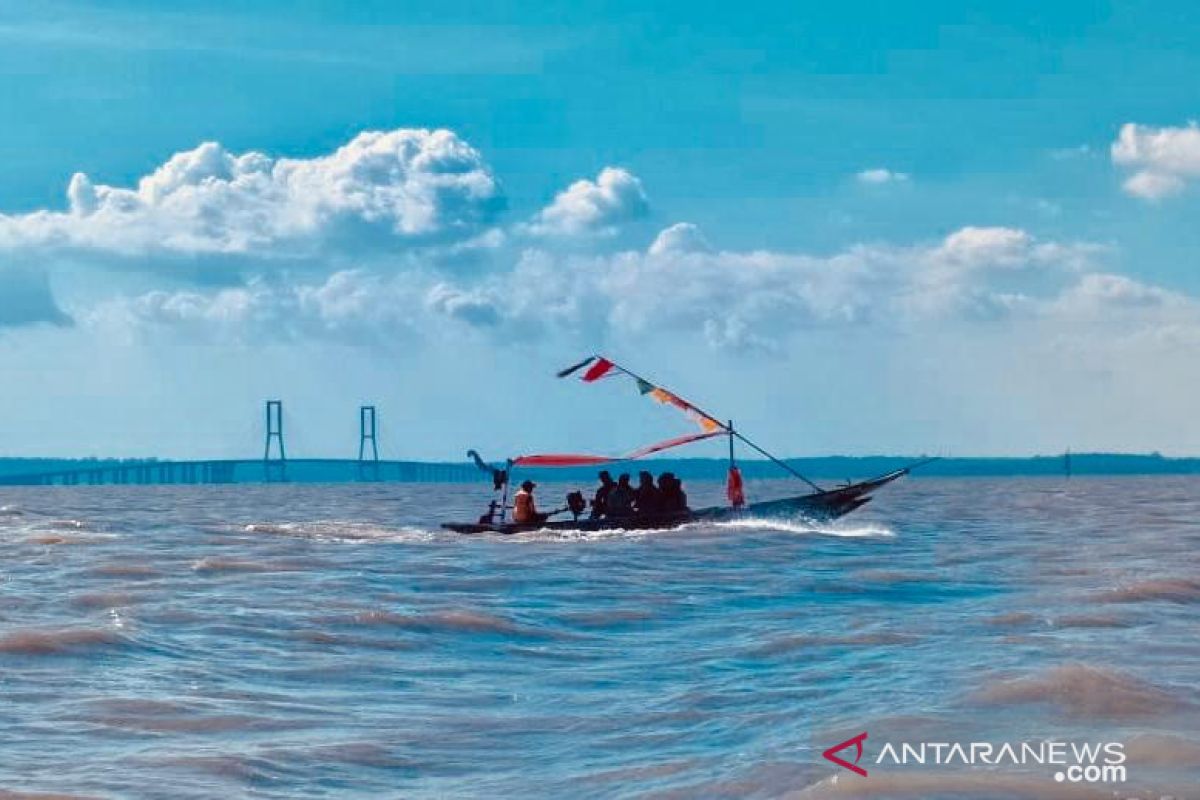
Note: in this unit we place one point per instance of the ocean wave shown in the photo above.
(14, 794)
(219, 564)
(1171, 590)
(1084, 691)
(70, 524)
(104, 599)
(791, 643)
(452, 621)
(43, 642)
(125, 571)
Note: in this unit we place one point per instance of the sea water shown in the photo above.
(305, 640)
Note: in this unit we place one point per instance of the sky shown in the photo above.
(962, 228)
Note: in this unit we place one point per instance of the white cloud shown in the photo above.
(1163, 160)
(755, 300)
(1103, 295)
(471, 306)
(1150, 185)
(1024, 288)
(881, 175)
(682, 237)
(973, 247)
(350, 306)
(593, 207)
(381, 189)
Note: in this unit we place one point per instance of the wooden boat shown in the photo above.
(818, 505)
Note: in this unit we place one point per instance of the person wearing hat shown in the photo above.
(524, 509)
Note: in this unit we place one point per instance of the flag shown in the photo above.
(598, 370)
(734, 488)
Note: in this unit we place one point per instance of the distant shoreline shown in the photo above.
(818, 467)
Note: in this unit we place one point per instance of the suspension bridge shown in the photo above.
(273, 467)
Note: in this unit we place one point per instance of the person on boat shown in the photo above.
(620, 499)
(524, 508)
(645, 498)
(600, 499)
(672, 498)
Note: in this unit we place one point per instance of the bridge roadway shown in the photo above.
(314, 470)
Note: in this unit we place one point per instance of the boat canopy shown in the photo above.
(581, 460)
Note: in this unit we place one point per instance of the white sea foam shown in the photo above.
(340, 531)
(577, 535)
(801, 527)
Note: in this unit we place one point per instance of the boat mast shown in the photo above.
(732, 463)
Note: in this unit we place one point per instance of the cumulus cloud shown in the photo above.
(755, 300)
(593, 207)
(1102, 295)
(471, 306)
(406, 186)
(26, 299)
(1149, 185)
(880, 175)
(1162, 160)
(682, 237)
(351, 306)
(679, 287)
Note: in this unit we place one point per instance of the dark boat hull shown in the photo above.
(818, 507)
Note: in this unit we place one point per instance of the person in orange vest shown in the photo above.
(524, 508)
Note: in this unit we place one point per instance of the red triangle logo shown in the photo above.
(856, 742)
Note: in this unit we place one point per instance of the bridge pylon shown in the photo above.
(366, 434)
(274, 469)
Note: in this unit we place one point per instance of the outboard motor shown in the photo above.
(576, 504)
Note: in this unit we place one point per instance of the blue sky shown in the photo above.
(857, 227)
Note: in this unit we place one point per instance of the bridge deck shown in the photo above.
(314, 470)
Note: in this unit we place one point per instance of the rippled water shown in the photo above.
(328, 640)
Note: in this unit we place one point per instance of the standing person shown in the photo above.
(524, 508)
(620, 499)
(646, 499)
(600, 500)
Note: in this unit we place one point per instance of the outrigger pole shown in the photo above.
(728, 428)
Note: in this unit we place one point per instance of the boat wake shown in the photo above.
(362, 532)
(808, 528)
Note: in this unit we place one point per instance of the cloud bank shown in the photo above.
(374, 220)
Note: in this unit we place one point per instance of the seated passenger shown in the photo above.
(645, 499)
(672, 498)
(600, 500)
(524, 508)
(620, 499)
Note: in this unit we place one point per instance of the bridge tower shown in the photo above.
(366, 433)
(274, 469)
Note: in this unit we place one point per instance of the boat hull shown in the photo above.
(818, 507)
